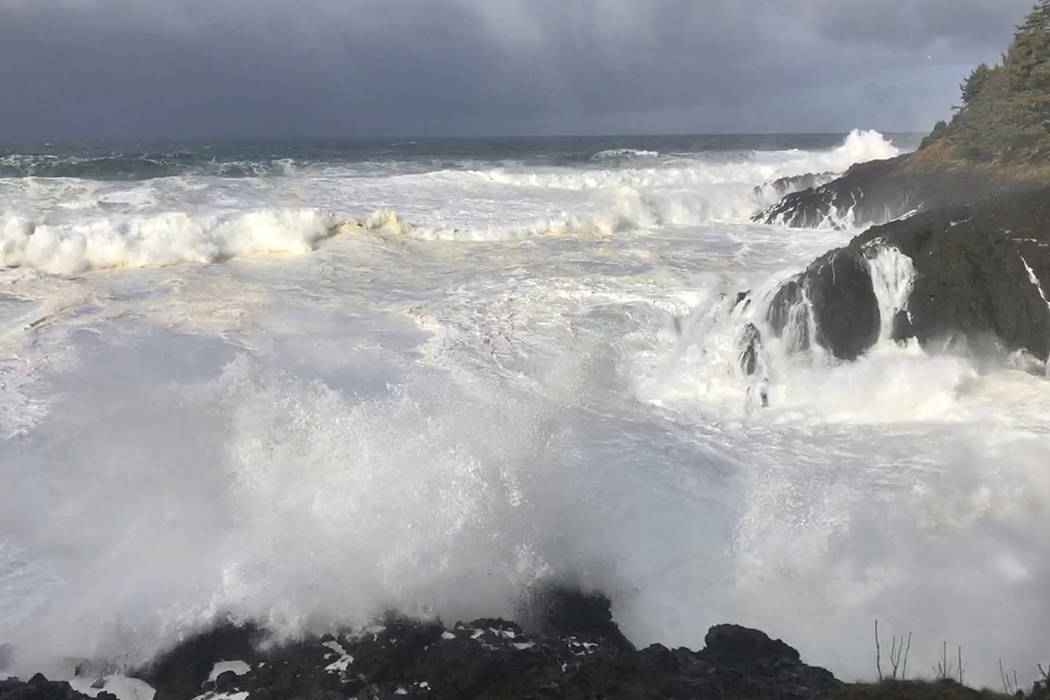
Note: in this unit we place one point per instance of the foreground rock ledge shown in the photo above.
(567, 646)
(572, 650)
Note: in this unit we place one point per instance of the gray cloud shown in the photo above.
(214, 68)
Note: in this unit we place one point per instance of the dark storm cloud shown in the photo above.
(200, 68)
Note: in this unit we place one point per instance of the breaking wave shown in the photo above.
(144, 224)
(617, 155)
(156, 240)
(758, 168)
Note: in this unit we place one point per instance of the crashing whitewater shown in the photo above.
(429, 388)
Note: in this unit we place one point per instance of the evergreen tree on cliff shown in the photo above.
(1005, 113)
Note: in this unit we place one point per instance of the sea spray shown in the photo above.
(892, 274)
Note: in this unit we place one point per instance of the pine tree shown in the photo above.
(1005, 112)
(973, 85)
(1026, 59)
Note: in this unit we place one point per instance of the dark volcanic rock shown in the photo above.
(789, 314)
(835, 293)
(843, 303)
(982, 272)
(794, 183)
(750, 664)
(572, 650)
(753, 364)
(551, 610)
(40, 688)
(178, 674)
(981, 275)
(735, 644)
(883, 190)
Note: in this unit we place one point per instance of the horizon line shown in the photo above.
(415, 138)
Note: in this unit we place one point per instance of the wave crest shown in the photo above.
(757, 168)
(160, 239)
(616, 155)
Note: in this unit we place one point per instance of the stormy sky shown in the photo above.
(104, 69)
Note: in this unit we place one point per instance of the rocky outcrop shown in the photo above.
(40, 688)
(883, 190)
(569, 647)
(981, 277)
(982, 272)
(794, 183)
(835, 297)
(571, 650)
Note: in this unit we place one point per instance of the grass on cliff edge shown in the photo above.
(917, 690)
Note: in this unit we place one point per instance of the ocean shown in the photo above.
(304, 383)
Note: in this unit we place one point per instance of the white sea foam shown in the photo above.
(759, 167)
(892, 276)
(619, 154)
(159, 239)
(64, 225)
(122, 687)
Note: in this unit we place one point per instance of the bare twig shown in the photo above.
(899, 651)
(943, 669)
(893, 656)
(907, 650)
(878, 652)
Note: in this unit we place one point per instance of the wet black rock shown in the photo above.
(981, 275)
(750, 349)
(982, 272)
(226, 682)
(789, 313)
(568, 647)
(883, 190)
(40, 688)
(554, 611)
(735, 644)
(794, 183)
(836, 293)
(753, 365)
(752, 665)
(177, 675)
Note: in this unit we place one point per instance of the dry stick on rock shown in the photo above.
(878, 652)
(899, 650)
(943, 669)
(899, 654)
(960, 666)
(893, 656)
(904, 671)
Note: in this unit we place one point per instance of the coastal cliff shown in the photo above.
(969, 210)
(980, 278)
